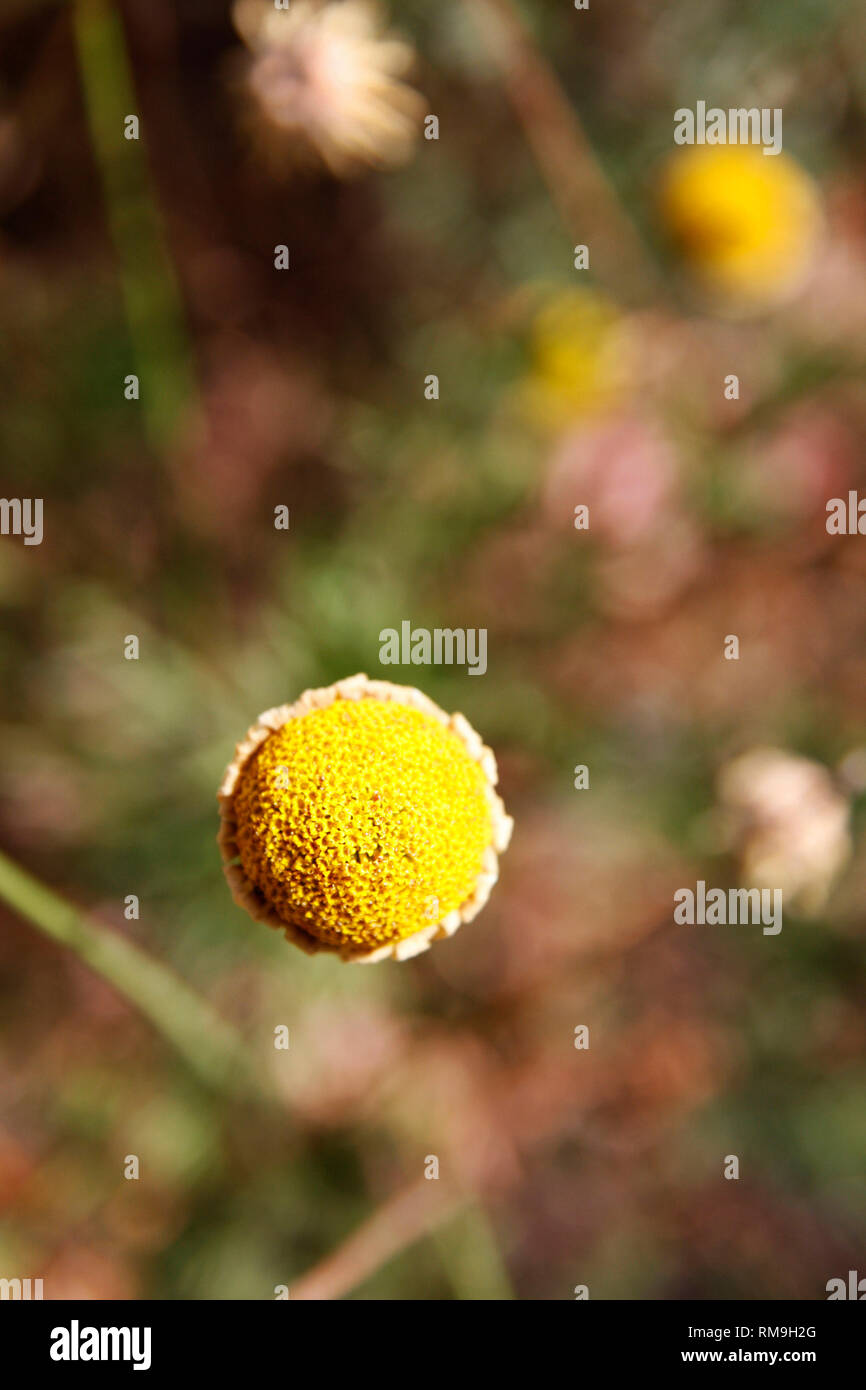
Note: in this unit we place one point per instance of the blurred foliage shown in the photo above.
(601, 1167)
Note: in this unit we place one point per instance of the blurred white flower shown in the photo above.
(325, 73)
(790, 824)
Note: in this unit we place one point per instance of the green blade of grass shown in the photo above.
(470, 1254)
(151, 296)
(209, 1046)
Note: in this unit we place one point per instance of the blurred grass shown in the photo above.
(148, 281)
(210, 1048)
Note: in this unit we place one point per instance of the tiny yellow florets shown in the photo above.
(362, 822)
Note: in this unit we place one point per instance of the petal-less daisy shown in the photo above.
(362, 820)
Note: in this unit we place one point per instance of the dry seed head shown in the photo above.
(327, 78)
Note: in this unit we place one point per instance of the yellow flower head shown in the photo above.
(362, 820)
(580, 359)
(746, 224)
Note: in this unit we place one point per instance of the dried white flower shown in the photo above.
(790, 823)
(325, 73)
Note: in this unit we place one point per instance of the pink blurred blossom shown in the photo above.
(624, 470)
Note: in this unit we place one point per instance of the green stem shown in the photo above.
(151, 295)
(210, 1046)
(471, 1256)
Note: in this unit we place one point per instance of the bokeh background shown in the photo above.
(558, 387)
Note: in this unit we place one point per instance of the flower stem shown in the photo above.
(209, 1046)
(149, 285)
(587, 203)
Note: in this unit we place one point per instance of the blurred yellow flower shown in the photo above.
(326, 74)
(746, 224)
(580, 353)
